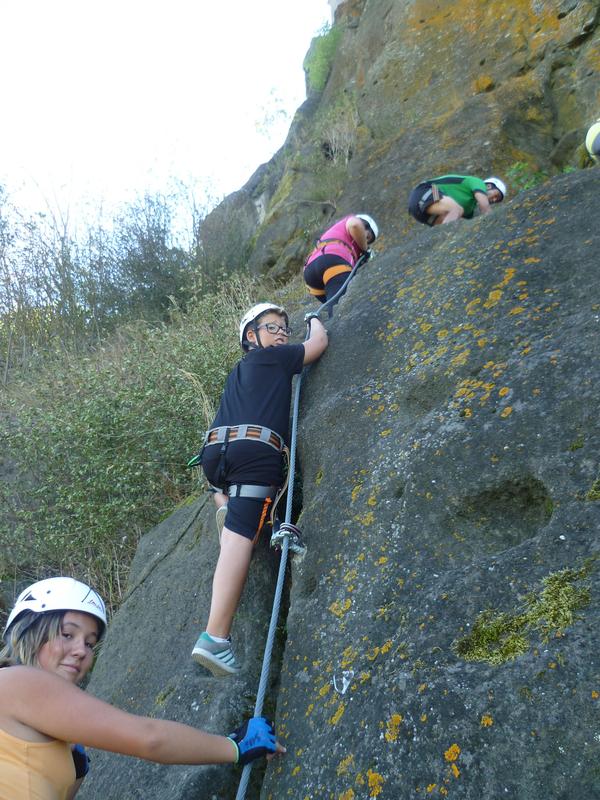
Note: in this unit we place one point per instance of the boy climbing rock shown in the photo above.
(438, 201)
(242, 460)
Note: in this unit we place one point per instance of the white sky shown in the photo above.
(106, 99)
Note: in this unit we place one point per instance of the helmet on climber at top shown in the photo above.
(497, 183)
(592, 141)
(371, 223)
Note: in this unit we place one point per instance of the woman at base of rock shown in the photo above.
(50, 637)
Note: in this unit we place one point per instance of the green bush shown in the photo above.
(319, 59)
(522, 176)
(101, 442)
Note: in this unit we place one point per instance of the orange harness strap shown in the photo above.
(263, 517)
(330, 273)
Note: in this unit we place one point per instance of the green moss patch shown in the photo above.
(594, 491)
(161, 697)
(498, 637)
(577, 443)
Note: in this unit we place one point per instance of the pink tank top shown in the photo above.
(342, 244)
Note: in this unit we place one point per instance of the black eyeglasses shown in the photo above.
(273, 327)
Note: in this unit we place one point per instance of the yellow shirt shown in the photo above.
(34, 770)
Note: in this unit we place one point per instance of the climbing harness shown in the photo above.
(235, 433)
(232, 433)
(287, 536)
(270, 494)
(249, 490)
(225, 434)
(322, 244)
(332, 300)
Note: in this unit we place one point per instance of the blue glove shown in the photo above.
(253, 739)
(81, 761)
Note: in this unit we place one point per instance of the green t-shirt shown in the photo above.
(461, 188)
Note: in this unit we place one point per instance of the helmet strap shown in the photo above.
(256, 333)
(252, 345)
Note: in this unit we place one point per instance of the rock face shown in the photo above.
(145, 665)
(449, 456)
(441, 633)
(448, 449)
(417, 89)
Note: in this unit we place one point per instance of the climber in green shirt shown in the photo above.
(450, 197)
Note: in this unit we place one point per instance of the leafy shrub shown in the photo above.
(101, 442)
(319, 58)
(522, 175)
(336, 129)
(62, 289)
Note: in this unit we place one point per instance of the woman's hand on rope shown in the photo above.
(255, 738)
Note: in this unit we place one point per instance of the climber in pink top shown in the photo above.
(336, 253)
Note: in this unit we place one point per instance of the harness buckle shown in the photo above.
(287, 530)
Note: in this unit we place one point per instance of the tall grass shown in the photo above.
(100, 441)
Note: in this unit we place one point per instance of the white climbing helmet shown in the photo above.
(253, 313)
(371, 223)
(58, 594)
(592, 141)
(497, 184)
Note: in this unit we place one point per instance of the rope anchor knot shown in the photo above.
(292, 533)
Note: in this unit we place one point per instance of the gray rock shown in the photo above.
(448, 455)
(416, 91)
(145, 665)
(449, 449)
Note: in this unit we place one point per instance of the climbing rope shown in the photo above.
(362, 260)
(289, 532)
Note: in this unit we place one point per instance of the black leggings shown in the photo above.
(326, 275)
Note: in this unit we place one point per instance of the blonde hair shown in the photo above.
(27, 635)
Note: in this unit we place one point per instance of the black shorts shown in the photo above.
(419, 200)
(247, 516)
(245, 462)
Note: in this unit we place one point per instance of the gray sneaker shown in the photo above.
(220, 515)
(217, 657)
